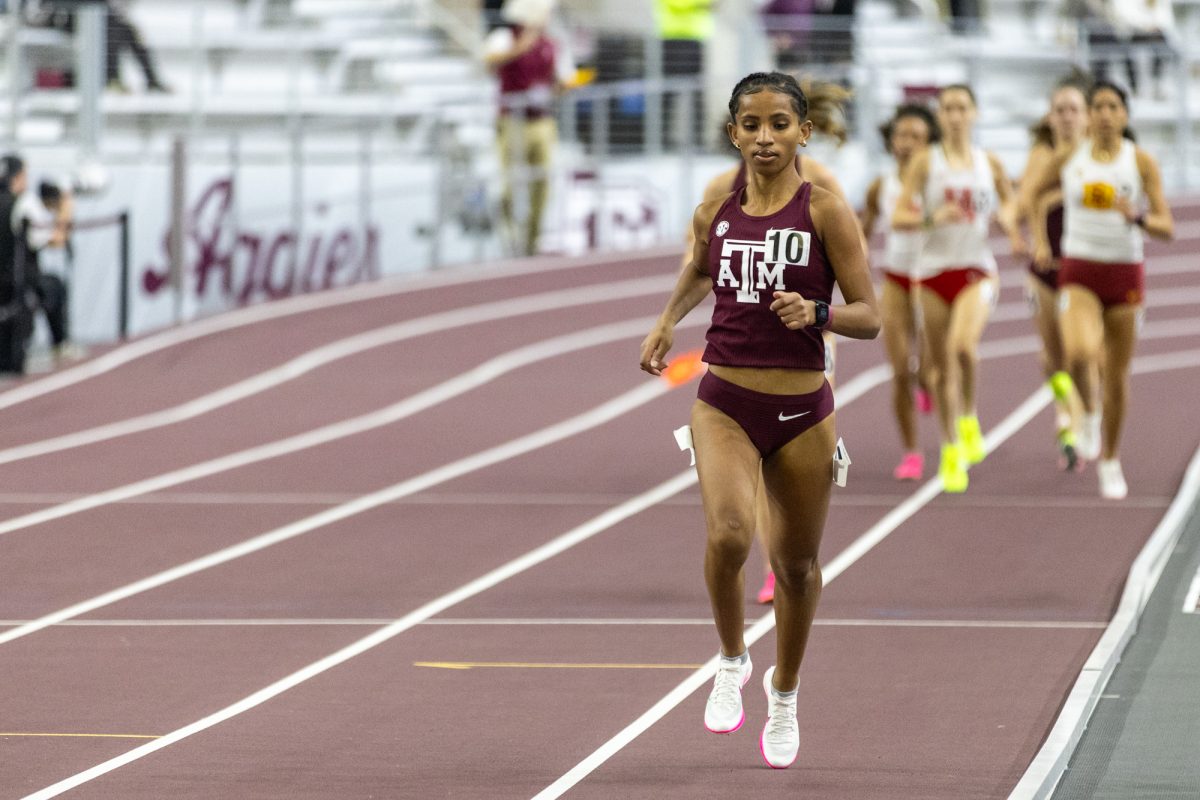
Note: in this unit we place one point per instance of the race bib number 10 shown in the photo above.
(1099, 196)
(788, 246)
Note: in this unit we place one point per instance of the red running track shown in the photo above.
(186, 615)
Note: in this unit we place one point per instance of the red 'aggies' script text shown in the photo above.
(761, 264)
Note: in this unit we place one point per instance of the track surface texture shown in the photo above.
(435, 540)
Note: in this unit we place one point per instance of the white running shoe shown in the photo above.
(1112, 480)
(1087, 443)
(724, 713)
(780, 741)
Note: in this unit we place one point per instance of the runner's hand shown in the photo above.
(948, 214)
(794, 310)
(654, 349)
(1043, 261)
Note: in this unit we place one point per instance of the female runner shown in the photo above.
(1112, 195)
(825, 102)
(1062, 129)
(951, 191)
(909, 132)
(764, 412)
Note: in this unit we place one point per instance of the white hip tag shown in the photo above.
(683, 437)
(841, 463)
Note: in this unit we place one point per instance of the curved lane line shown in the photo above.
(1014, 422)
(284, 308)
(1011, 424)
(435, 395)
(343, 348)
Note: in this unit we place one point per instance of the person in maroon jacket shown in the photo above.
(771, 253)
(531, 70)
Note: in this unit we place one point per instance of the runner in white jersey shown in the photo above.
(1112, 195)
(952, 191)
(909, 132)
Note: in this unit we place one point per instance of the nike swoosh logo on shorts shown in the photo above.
(782, 418)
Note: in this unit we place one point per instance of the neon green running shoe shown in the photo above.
(1068, 455)
(953, 469)
(971, 438)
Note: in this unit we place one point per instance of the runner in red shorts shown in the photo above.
(772, 254)
(952, 191)
(909, 132)
(1112, 194)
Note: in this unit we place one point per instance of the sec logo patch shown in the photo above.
(722, 228)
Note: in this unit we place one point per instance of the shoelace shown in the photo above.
(781, 722)
(727, 689)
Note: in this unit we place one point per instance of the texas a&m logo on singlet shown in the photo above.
(760, 265)
(968, 202)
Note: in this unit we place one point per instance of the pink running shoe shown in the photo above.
(767, 593)
(924, 401)
(910, 468)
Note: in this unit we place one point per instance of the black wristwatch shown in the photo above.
(821, 310)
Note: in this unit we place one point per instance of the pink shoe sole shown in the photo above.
(734, 729)
(767, 593)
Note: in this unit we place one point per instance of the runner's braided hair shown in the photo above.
(774, 81)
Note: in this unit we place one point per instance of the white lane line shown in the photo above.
(395, 628)
(435, 395)
(1001, 433)
(605, 412)
(848, 393)
(503, 622)
(291, 306)
(844, 395)
(341, 349)
(860, 547)
(1000, 348)
(1048, 765)
(1191, 603)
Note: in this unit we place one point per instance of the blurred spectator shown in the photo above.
(532, 68)
(788, 24)
(964, 15)
(50, 214)
(121, 35)
(18, 273)
(684, 28)
(491, 15)
(1125, 27)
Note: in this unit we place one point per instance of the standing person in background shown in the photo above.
(50, 216)
(825, 102)
(1112, 194)
(772, 253)
(1129, 26)
(951, 191)
(1062, 129)
(532, 70)
(910, 131)
(18, 268)
(684, 27)
(124, 35)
